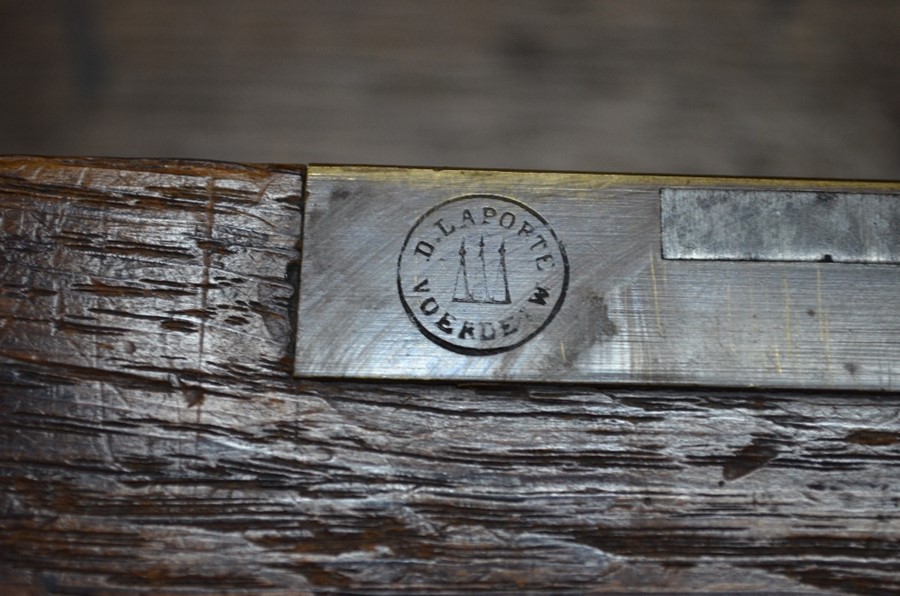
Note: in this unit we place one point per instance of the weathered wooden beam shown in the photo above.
(153, 438)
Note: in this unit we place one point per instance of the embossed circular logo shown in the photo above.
(482, 274)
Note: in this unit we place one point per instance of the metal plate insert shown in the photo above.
(777, 225)
(495, 276)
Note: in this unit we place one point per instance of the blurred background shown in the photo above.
(742, 87)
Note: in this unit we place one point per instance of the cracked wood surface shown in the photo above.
(152, 437)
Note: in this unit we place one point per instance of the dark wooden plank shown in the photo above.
(745, 87)
(152, 437)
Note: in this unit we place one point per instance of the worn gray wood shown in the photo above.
(744, 87)
(152, 438)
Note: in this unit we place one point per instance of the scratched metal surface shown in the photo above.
(778, 225)
(628, 315)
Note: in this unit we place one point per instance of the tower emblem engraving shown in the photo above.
(482, 274)
(477, 291)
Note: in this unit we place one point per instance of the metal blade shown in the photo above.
(523, 276)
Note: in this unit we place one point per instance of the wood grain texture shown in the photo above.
(803, 88)
(152, 438)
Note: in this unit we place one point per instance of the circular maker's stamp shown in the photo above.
(482, 274)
